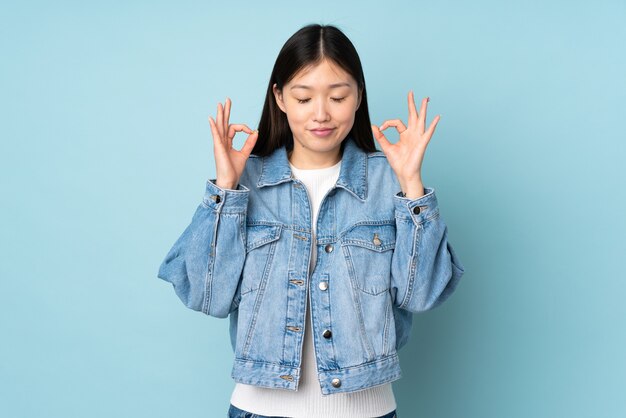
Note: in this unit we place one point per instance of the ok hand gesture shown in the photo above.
(406, 155)
(229, 163)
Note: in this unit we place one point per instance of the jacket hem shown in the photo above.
(352, 379)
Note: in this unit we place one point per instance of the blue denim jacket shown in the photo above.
(380, 258)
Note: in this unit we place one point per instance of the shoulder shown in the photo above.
(379, 170)
(376, 157)
(253, 163)
(252, 171)
(377, 161)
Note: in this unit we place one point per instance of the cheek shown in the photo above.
(346, 115)
(296, 118)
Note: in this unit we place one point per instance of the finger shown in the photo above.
(248, 146)
(421, 122)
(397, 123)
(226, 114)
(241, 127)
(217, 140)
(431, 128)
(220, 120)
(413, 116)
(380, 137)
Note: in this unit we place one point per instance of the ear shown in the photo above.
(278, 95)
(360, 97)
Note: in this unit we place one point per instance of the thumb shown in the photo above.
(380, 137)
(248, 146)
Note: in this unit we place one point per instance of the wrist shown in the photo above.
(225, 184)
(412, 189)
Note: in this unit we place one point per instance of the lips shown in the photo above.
(322, 132)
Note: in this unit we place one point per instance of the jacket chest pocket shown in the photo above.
(368, 249)
(261, 243)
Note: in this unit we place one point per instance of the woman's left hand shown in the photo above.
(406, 155)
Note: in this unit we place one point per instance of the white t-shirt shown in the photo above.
(307, 401)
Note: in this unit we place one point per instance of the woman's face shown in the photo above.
(321, 97)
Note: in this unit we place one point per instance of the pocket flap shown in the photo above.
(257, 235)
(377, 237)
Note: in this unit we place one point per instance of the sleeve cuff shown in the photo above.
(420, 209)
(226, 200)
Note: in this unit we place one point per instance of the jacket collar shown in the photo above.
(352, 173)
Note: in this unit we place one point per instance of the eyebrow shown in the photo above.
(332, 86)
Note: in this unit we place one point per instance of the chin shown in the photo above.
(333, 139)
(325, 146)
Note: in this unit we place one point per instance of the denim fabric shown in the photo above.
(234, 412)
(380, 258)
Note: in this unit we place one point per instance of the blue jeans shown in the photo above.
(234, 412)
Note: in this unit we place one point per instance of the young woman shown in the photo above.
(317, 246)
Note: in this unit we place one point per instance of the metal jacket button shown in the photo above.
(323, 285)
(335, 382)
(216, 197)
(328, 248)
(416, 210)
(327, 333)
(376, 240)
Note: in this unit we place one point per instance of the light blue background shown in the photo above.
(106, 148)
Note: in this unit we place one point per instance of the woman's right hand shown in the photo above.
(229, 163)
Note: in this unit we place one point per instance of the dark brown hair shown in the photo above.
(309, 46)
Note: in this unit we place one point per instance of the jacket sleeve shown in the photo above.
(205, 263)
(425, 270)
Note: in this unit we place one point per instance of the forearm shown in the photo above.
(205, 263)
(425, 269)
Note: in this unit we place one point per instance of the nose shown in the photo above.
(321, 112)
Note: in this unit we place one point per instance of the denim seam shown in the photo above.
(391, 358)
(330, 316)
(386, 331)
(208, 279)
(413, 268)
(259, 297)
(355, 298)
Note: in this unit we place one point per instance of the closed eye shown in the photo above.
(335, 99)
